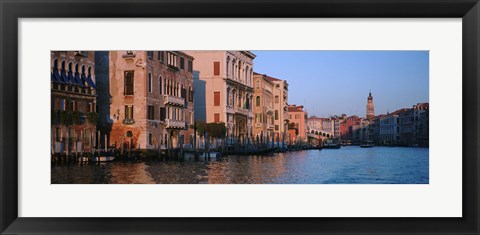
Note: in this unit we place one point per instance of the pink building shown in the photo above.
(297, 121)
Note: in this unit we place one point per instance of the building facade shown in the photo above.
(147, 98)
(263, 106)
(73, 102)
(297, 122)
(224, 86)
(280, 106)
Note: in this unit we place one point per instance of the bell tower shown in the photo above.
(370, 107)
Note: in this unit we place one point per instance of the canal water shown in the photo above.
(347, 165)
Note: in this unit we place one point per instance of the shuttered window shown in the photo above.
(216, 68)
(128, 90)
(216, 98)
(216, 117)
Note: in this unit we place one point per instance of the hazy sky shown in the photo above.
(335, 82)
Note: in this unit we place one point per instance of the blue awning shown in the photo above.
(78, 80)
(84, 80)
(90, 81)
(56, 76)
(71, 79)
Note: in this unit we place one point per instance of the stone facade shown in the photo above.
(263, 106)
(298, 121)
(280, 106)
(224, 86)
(147, 98)
(73, 102)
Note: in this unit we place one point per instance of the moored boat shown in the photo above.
(366, 144)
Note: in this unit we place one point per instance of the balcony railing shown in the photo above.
(174, 124)
(241, 111)
(230, 110)
(173, 100)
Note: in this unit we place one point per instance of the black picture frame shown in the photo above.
(11, 11)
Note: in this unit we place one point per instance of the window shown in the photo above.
(277, 99)
(159, 56)
(150, 138)
(129, 134)
(71, 105)
(216, 117)
(128, 112)
(162, 57)
(62, 105)
(160, 80)
(182, 63)
(257, 101)
(150, 88)
(163, 114)
(128, 77)
(216, 98)
(150, 112)
(190, 94)
(150, 54)
(190, 66)
(276, 127)
(216, 68)
(86, 135)
(172, 59)
(276, 114)
(58, 134)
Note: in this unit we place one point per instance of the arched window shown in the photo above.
(89, 71)
(228, 96)
(228, 64)
(150, 82)
(129, 134)
(55, 64)
(70, 67)
(63, 65)
(83, 70)
(258, 101)
(160, 81)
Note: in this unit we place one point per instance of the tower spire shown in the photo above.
(370, 107)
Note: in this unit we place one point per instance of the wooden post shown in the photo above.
(121, 148)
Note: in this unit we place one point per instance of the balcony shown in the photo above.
(241, 111)
(258, 124)
(230, 110)
(270, 126)
(173, 100)
(174, 124)
(128, 121)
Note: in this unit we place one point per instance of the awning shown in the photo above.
(56, 76)
(78, 80)
(64, 77)
(70, 79)
(90, 81)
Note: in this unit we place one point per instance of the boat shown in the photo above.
(103, 156)
(366, 144)
(331, 144)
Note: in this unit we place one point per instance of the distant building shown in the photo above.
(280, 106)
(73, 101)
(146, 98)
(263, 106)
(224, 89)
(297, 121)
(370, 108)
(390, 132)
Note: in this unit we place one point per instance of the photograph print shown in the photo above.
(239, 117)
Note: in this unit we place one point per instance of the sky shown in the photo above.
(338, 82)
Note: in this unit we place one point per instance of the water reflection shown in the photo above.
(348, 165)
